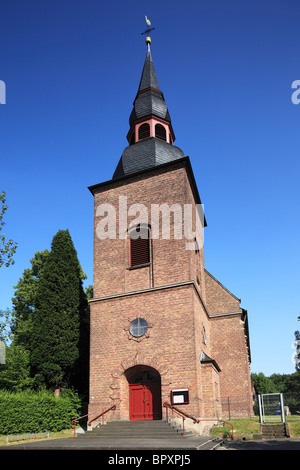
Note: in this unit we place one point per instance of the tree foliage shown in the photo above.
(7, 248)
(49, 323)
(15, 373)
(287, 384)
(297, 346)
(5, 325)
(56, 324)
(263, 384)
(24, 300)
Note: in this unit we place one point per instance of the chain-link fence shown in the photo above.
(236, 407)
(271, 408)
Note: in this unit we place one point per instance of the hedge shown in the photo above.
(29, 412)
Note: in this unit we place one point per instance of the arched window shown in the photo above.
(144, 131)
(139, 246)
(160, 132)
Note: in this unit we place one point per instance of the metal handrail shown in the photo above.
(195, 420)
(227, 422)
(74, 422)
(167, 405)
(101, 414)
(183, 414)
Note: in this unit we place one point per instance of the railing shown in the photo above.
(185, 415)
(98, 416)
(102, 414)
(227, 422)
(24, 436)
(181, 413)
(77, 419)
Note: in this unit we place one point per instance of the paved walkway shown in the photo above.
(76, 443)
(184, 445)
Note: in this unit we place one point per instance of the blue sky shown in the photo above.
(72, 69)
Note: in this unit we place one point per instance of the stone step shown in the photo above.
(89, 434)
(148, 432)
(142, 423)
(137, 429)
(277, 431)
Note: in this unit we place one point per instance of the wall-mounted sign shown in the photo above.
(180, 396)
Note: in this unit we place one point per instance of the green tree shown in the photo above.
(24, 300)
(291, 392)
(297, 346)
(15, 373)
(7, 248)
(56, 324)
(263, 384)
(80, 376)
(279, 381)
(293, 384)
(5, 325)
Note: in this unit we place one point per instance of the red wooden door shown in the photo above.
(143, 401)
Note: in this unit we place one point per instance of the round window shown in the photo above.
(138, 327)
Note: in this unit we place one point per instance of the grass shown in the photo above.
(53, 435)
(240, 426)
(294, 425)
(244, 426)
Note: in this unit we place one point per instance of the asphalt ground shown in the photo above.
(94, 443)
(274, 444)
(185, 445)
(141, 453)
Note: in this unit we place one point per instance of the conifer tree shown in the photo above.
(24, 300)
(56, 324)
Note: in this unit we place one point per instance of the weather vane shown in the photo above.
(147, 30)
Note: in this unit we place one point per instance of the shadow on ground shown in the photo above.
(278, 444)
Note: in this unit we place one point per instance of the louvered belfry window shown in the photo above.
(144, 131)
(160, 132)
(140, 247)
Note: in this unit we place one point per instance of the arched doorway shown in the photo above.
(144, 393)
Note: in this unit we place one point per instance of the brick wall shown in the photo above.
(179, 300)
(230, 347)
(173, 263)
(168, 346)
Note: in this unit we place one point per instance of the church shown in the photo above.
(165, 334)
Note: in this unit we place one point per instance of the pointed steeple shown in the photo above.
(149, 99)
(148, 78)
(151, 135)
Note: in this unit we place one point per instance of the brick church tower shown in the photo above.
(163, 329)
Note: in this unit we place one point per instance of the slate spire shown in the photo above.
(150, 135)
(149, 99)
(148, 78)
